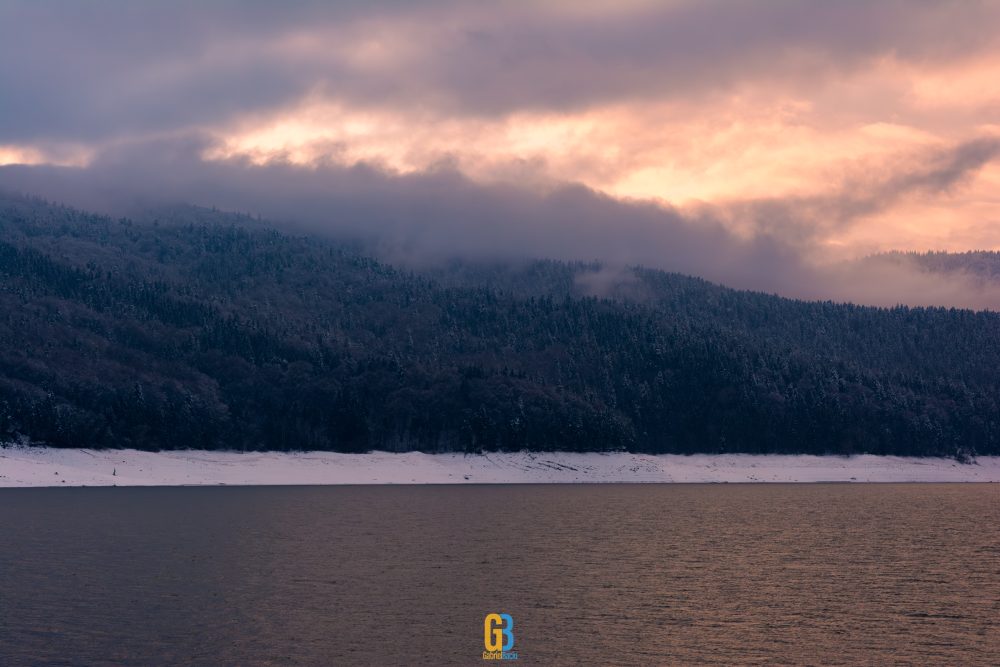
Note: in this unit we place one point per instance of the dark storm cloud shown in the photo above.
(98, 70)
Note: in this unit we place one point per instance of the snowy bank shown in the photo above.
(39, 466)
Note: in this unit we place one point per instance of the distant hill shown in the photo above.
(983, 264)
(195, 328)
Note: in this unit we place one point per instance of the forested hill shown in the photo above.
(208, 330)
(981, 264)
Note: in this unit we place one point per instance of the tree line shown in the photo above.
(192, 328)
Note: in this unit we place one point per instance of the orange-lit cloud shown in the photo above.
(19, 155)
(807, 125)
(63, 156)
(753, 144)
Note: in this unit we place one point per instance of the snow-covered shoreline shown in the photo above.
(39, 466)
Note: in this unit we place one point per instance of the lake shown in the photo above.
(594, 574)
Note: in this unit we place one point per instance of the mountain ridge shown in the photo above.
(215, 330)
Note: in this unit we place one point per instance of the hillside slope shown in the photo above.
(209, 330)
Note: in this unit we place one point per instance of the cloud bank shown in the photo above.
(755, 144)
(434, 216)
(157, 67)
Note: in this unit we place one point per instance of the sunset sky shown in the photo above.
(833, 129)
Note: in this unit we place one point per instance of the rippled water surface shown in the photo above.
(610, 574)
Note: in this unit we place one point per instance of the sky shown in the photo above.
(760, 144)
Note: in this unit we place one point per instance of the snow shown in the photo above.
(39, 466)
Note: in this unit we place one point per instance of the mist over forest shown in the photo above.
(434, 217)
(656, 226)
(194, 328)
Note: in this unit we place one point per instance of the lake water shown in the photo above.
(608, 574)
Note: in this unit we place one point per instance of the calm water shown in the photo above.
(631, 574)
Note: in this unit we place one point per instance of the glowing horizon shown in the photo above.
(690, 105)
